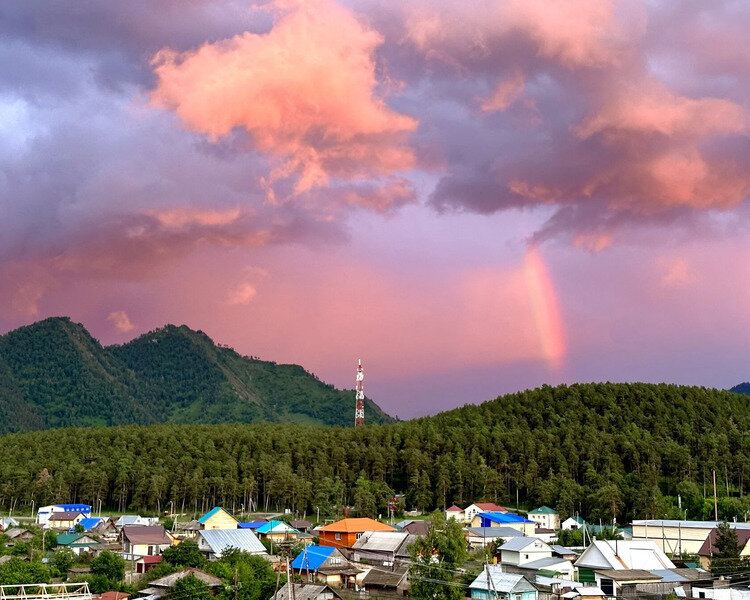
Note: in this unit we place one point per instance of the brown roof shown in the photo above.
(543, 530)
(381, 578)
(17, 532)
(169, 580)
(111, 596)
(146, 534)
(64, 516)
(301, 524)
(628, 574)
(303, 591)
(358, 525)
(708, 548)
(417, 527)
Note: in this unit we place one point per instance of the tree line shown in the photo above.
(601, 450)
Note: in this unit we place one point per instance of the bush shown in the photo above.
(185, 554)
(110, 565)
(62, 560)
(190, 587)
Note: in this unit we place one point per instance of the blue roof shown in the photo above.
(84, 508)
(498, 517)
(251, 524)
(89, 522)
(209, 514)
(271, 525)
(312, 557)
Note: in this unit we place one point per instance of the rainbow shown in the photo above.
(545, 308)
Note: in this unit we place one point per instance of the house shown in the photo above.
(45, 512)
(552, 566)
(106, 528)
(545, 517)
(479, 537)
(213, 542)
(473, 510)
(708, 549)
(77, 542)
(218, 518)
(7, 523)
(417, 527)
(277, 531)
(144, 540)
(384, 582)
(563, 552)
(613, 582)
(159, 588)
(89, 523)
(146, 563)
(301, 525)
(572, 523)
(382, 547)
(344, 533)
(327, 565)
(64, 520)
(619, 555)
(305, 591)
(676, 536)
(519, 551)
(455, 512)
(546, 535)
(506, 519)
(506, 586)
(131, 520)
(111, 596)
(16, 534)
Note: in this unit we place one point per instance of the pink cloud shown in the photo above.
(305, 91)
(121, 321)
(506, 93)
(242, 295)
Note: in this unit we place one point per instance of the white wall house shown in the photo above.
(545, 517)
(522, 550)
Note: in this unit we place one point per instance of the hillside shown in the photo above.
(605, 450)
(742, 388)
(55, 374)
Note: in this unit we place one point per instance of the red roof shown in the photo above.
(490, 507)
(455, 508)
(149, 560)
(111, 596)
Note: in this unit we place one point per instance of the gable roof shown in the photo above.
(624, 554)
(546, 563)
(214, 511)
(75, 539)
(517, 544)
(275, 526)
(65, 516)
(152, 535)
(381, 541)
(557, 549)
(501, 582)
(303, 591)
(489, 507)
(129, 520)
(90, 522)
(630, 575)
(251, 524)
(543, 510)
(169, 580)
(16, 532)
(312, 557)
(454, 508)
(221, 539)
(300, 524)
(356, 525)
(709, 546)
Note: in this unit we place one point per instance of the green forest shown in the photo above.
(605, 450)
(54, 374)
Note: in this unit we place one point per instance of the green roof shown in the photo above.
(66, 539)
(543, 510)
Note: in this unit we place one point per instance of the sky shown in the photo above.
(472, 197)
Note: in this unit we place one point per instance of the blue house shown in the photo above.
(501, 586)
(327, 565)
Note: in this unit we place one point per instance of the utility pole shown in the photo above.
(716, 502)
(359, 409)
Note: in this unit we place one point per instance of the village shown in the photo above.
(497, 554)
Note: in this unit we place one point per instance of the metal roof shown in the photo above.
(169, 580)
(543, 563)
(312, 557)
(499, 517)
(543, 510)
(242, 539)
(89, 522)
(304, 591)
(687, 524)
(557, 549)
(84, 508)
(500, 582)
(251, 524)
(211, 513)
(496, 532)
(381, 541)
(520, 543)
(356, 525)
(275, 526)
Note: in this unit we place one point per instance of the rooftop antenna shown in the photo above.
(359, 410)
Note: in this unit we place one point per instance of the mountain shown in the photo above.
(604, 450)
(55, 374)
(742, 388)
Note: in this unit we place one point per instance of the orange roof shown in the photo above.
(357, 526)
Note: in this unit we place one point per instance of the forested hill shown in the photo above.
(54, 374)
(605, 450)
(742, 388)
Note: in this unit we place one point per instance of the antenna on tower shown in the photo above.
(359, 410)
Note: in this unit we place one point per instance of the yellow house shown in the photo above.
(494, 519)
(217, 518)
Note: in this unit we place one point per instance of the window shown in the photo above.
(608, 587)
(338, 536)
(359, 535)
(526, 557)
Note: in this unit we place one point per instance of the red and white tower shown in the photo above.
(359, 411)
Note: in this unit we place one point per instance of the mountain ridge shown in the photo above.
(53, 373)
